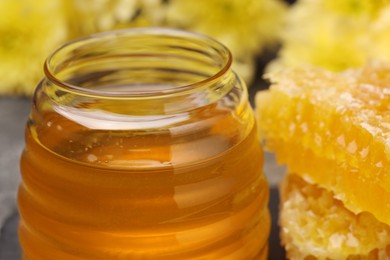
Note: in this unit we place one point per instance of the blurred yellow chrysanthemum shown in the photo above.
(335, 34)
(104, 15)
(355, 7)
(246, 27)
(30, 30)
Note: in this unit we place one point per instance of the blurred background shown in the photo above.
(31, 29)
(263, 35)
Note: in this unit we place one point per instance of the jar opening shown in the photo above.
(138, 62)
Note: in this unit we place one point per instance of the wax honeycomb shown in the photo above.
(333, 129)
(318, 226)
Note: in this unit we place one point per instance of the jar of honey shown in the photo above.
(141, 144)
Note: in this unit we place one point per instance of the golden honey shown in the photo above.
(141, 144)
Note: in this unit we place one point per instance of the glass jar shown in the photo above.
(141, 144)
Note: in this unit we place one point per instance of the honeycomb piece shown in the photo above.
(315, 225)
(319, 122)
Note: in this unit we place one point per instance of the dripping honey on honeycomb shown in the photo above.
(333, 129)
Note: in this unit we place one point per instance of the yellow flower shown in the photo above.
(335, 34)
(380, 36)
(30, 30)
(246, 27)
(104, 15)
(355, 7)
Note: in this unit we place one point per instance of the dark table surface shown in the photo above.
(13, 115)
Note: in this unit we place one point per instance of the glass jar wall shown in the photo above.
(141, 144)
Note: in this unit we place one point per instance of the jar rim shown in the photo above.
(152, 31)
